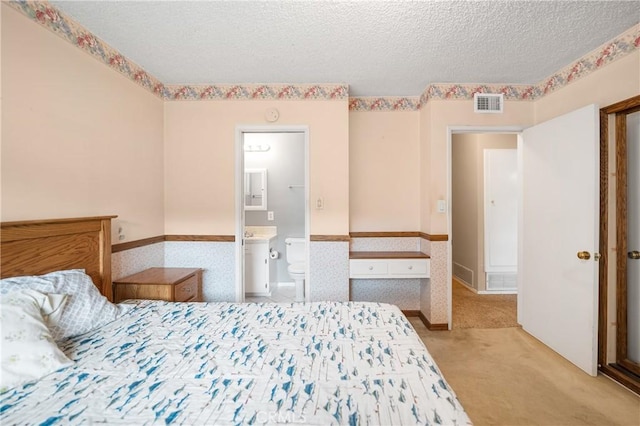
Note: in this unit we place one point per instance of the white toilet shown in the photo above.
(297, 260)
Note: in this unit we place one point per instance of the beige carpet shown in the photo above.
(471, 310)
(507, 377)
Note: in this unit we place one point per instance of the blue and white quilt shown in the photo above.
(233, 363)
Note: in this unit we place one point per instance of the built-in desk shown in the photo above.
(388, 264)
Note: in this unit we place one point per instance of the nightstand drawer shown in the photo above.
(170, 284)
(186, 290)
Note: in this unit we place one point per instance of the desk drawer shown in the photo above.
(409, 267)
(389, 268)
(186, 290)
(368, 267)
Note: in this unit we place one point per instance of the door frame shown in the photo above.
(239, 196)
(451, 130)
(617, 114)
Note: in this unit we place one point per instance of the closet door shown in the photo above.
(619, 296)
(501, 210)
(628, 352)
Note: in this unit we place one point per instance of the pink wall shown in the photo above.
(437, 118)
(384, 171)
(200, 161)
(425, 172)
(615, 82)
(78, 139)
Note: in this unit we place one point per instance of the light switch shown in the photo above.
(442, 206)
(319, 203)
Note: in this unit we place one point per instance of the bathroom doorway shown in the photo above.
(271, 194)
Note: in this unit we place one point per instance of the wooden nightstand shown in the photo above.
(170, 284)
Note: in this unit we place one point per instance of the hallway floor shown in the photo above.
(471, 310)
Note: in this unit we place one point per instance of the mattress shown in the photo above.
(233, 363)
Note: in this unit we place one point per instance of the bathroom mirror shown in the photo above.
(255, 189)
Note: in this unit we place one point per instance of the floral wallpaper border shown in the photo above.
(617, 48)
(258, 92)
(50, 17)
(384, 104)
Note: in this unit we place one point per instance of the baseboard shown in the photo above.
(432, 327)
(463, 274)
(468, 287)
(411, 312)
(497, 292)
(250, 294)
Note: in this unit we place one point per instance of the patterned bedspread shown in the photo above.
(231, 363)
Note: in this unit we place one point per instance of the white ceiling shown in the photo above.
(378, 48)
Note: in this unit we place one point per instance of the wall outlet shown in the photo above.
(269, 215)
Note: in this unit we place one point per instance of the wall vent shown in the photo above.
(488, 103)
(502, 281)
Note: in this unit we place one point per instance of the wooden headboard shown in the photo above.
(37, 247)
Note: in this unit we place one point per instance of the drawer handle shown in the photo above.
(410, 267)
(371, 268)
(186, 289)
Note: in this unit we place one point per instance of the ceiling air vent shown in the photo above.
(487, 102)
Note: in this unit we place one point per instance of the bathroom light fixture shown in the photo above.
(257, 148)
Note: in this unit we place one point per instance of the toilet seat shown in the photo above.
(296, 268)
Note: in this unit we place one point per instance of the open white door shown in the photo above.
(558, 219)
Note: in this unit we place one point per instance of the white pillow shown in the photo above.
(85, 310)
(28, 350)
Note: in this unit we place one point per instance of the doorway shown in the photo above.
(484, 199)
(558, 233)
(271, 207)
(619, 297)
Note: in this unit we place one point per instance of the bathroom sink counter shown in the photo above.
(260, 234)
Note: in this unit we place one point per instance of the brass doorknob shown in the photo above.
(584, 255)
(635, 255)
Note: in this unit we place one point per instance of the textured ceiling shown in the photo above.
(377, 48)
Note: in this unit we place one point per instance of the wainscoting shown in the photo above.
(328, 269)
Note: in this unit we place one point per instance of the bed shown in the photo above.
(154, 362)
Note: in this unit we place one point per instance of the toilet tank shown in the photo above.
(296, 250)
